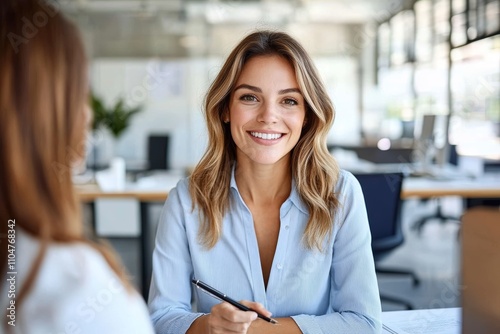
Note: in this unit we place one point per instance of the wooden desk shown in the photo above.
(150, 188)
(485, 187)
(412, 187)
(90, 192)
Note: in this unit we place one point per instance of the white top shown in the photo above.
(75, 292)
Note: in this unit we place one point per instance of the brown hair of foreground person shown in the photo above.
(43, 121)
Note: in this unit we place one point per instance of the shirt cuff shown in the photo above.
(307, 324)
(176, 324)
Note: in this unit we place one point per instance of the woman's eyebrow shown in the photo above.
(253, 88)
(258, 90)
(289, 90)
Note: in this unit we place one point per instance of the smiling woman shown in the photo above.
(265, 116)
(266, 216)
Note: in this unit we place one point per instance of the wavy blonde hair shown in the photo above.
(313, 168)
(43, 93)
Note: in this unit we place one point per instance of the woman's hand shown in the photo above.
(225, 318)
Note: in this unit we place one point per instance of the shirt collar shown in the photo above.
(294, 194)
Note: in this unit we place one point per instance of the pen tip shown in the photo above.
(274, 321)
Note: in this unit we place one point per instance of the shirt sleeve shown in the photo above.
(170, 292)
(354, 296)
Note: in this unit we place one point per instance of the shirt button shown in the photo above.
(279, 266)
(287, 227)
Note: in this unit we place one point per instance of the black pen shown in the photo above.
(221, 296)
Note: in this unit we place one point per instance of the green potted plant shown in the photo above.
(116, 119)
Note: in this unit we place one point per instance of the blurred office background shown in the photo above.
(385, 64)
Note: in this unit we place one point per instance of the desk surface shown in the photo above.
(90, 192)
(484, 187)
(157, 190)
(151, 188)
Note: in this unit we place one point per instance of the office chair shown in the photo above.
(382, 193)
(158, 152)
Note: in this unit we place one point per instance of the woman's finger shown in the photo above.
(225, 318)
(257, 307)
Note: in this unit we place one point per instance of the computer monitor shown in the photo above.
(158, 152)
(426, 129)
(424, 150)
(408, 129)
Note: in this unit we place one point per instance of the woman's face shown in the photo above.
(266, 111)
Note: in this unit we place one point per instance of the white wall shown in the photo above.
(171, 94)
(340, 77)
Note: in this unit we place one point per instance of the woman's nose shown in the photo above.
(268, 113)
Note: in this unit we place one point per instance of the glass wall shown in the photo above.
(442, 57)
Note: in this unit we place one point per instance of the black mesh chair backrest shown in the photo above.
(382, 193)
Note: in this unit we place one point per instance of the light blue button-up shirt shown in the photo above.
(334, 291)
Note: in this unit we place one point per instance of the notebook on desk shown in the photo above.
(481, 271)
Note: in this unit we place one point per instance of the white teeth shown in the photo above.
(267, 136)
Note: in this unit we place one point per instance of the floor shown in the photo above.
(433, 254)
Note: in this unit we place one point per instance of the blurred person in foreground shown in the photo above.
(54, 280)
(266, 217)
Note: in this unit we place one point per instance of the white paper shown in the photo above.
(435, 321)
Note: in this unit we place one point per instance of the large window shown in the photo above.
(442, 58)
(424, 31)
(475, 88)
